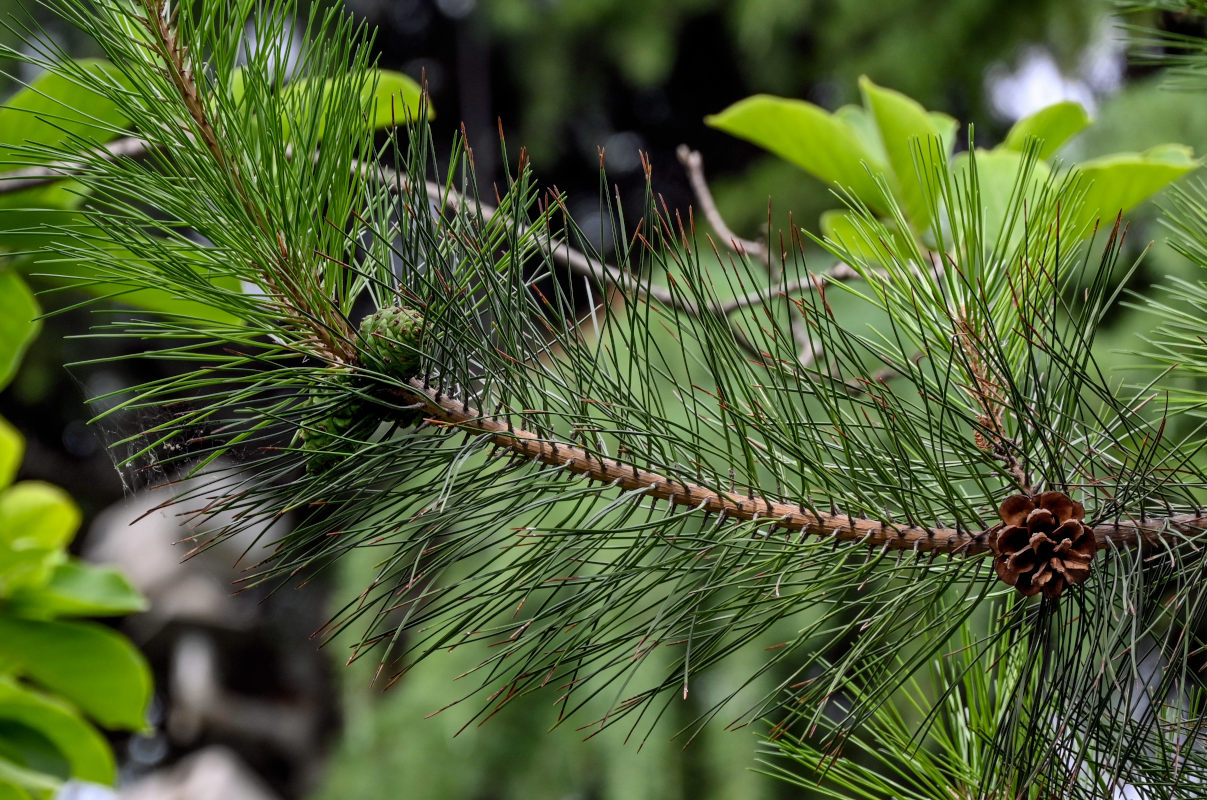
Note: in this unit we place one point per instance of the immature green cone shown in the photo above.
(325, 437)
(390, 339)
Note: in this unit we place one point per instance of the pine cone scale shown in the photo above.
(1043, 545)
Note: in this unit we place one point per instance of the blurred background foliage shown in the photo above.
(564, 78)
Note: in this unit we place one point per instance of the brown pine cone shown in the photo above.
(1043, 543)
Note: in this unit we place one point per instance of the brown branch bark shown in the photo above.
(785, 516)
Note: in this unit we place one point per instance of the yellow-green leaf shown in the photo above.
(1117, 183)
(915, 143)
(55, 109)
(12, 448)
(85, 750)
(828, 146)
(1000, 175)
(99, 671)
(18, 321)
(1051, 127)
(78, 589)
(394, 99)
(37, 520)
(860, 239)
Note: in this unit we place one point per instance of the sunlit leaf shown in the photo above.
(1051, 126)
(850, 231)
(18, 321)
(19, 783)
(55, 109)
(37, 520)
(998, 175)
(12, 448)
(823, 144)
(395, 99)
(1117, 183)
(96, 669)
(78, 589)
(914, 144)
(84, 749)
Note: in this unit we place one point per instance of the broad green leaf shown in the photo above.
(999, 174)
(947, 126)
(55, 109)
(12, 448)
(394, 100)
(9, 788)
(914, 142)
(1117, 183)
(865, 128)
(87, 754)
(99, 671)
(1051, 126)
(823, 144)
(78, 589)
(82, 274)
(849, 231)
(21, 783)
(37, 520)
(18, 322)
(26, 745)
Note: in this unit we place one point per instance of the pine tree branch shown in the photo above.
(577, 262)
(578, 461)
(792, 518)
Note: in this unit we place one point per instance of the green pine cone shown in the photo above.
(324, 438)
(391, 337)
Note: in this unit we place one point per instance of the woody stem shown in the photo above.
(446, 410)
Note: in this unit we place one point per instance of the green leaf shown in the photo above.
(18, 322)
(914, 140)
(860, 119)
(85, 750)
(83, 275)
(998, 173)
(395, 99)
(37, 520)
(828, 146)
(850, 231)
(23, 784)
(98, 670)
(947, 126)
(9, 790)
(55, 109)
(78, 589)
(1117, 183)
(12, 448)
(24, 744)
(1052, 126)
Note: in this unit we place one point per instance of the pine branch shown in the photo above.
(646, 568)
(576, 261)
(1153, 532)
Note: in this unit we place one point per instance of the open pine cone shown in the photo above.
(1043, 543)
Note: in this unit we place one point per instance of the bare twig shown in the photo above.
(693, 162)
